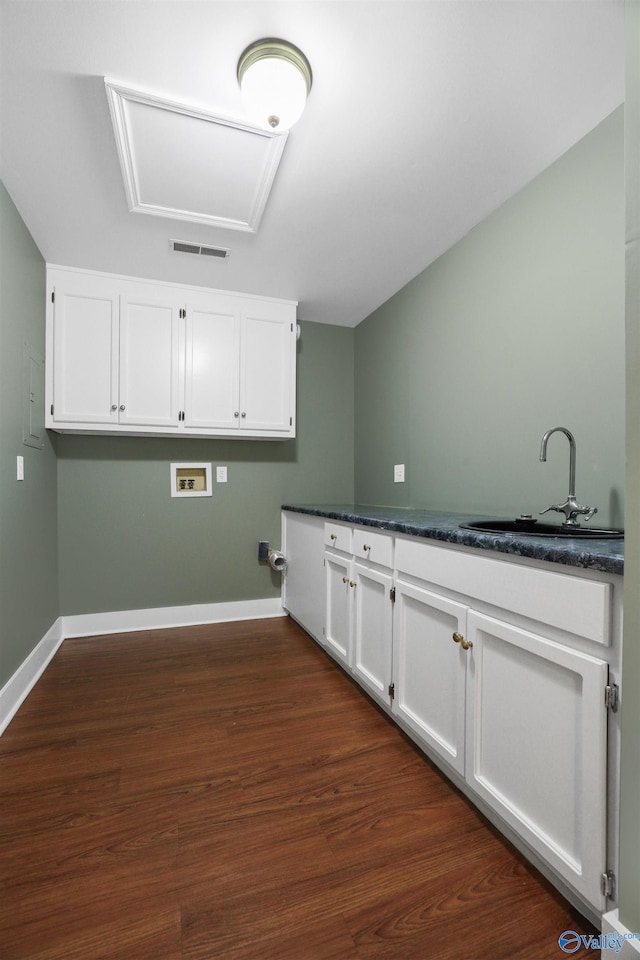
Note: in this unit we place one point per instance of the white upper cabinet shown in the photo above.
(212, 398)
(149, 357)
(82, 367)
(265, 368)
(134, 356)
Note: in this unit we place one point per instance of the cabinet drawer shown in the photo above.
(338, 536)
(376, 547)
(572, 604)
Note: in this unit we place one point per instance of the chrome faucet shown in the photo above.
(571, 508)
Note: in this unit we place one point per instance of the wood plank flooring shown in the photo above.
(226, 793)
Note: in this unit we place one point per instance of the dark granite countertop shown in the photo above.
(592, 553)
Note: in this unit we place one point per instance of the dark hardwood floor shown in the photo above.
(226, 792)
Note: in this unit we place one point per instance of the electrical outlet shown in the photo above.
(398, 473)
(221, 474)
(19, 468)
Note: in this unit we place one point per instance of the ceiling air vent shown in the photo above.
(182, 246)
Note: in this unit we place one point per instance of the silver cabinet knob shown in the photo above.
(122, 406)
(114, 406)
(237, 413)
(243, 414)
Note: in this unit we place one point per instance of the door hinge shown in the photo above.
(51, 409)
(182, 313)
(53, 296)
(181, 415)
(608, 884)
(392, 690)
(392, 594)
(290, 421)
(611, 697)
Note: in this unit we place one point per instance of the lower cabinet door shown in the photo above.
(373, 624)
(338, 606)
(429, 669)
(537, 745)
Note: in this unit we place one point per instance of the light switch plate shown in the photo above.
(221, 474)
(398, 473)
(19, 468)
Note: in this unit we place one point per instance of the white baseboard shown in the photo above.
(617, 940)
(158, 618)
(20, 685)
(29, 672)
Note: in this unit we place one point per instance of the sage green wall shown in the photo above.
(126, 544)
(28, 548)
(629, 880)
(518, 328)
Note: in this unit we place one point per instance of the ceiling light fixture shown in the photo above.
(275, 80)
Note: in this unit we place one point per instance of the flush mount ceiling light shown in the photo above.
(275, 79)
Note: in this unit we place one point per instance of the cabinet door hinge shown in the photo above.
(51, 409)
(392, 690)
(290, 421)
(182, 313)
(611, 697)
(53, 296)
(392, 594)
(608, 884)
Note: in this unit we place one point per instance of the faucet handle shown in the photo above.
(571, 510)
(557, 506)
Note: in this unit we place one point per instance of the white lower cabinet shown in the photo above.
(429, 670)
(358, 608)
(536, 745)
(338, 633)
(514, 705)
(372, 629)
(303, 581)
(520, 717)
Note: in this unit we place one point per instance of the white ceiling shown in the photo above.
(424, 116)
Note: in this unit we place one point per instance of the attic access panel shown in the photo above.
(183, 163)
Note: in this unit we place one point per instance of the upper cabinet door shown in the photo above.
(149, 356)
(83, 383)
(212, 396)
(267, 367)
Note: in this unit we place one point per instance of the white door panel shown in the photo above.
(373, 630)
(537, 745)
(429, 669)
(149, 360)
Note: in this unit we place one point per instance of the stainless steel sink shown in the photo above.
(527, 526)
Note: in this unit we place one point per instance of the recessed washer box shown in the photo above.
(191, 480)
